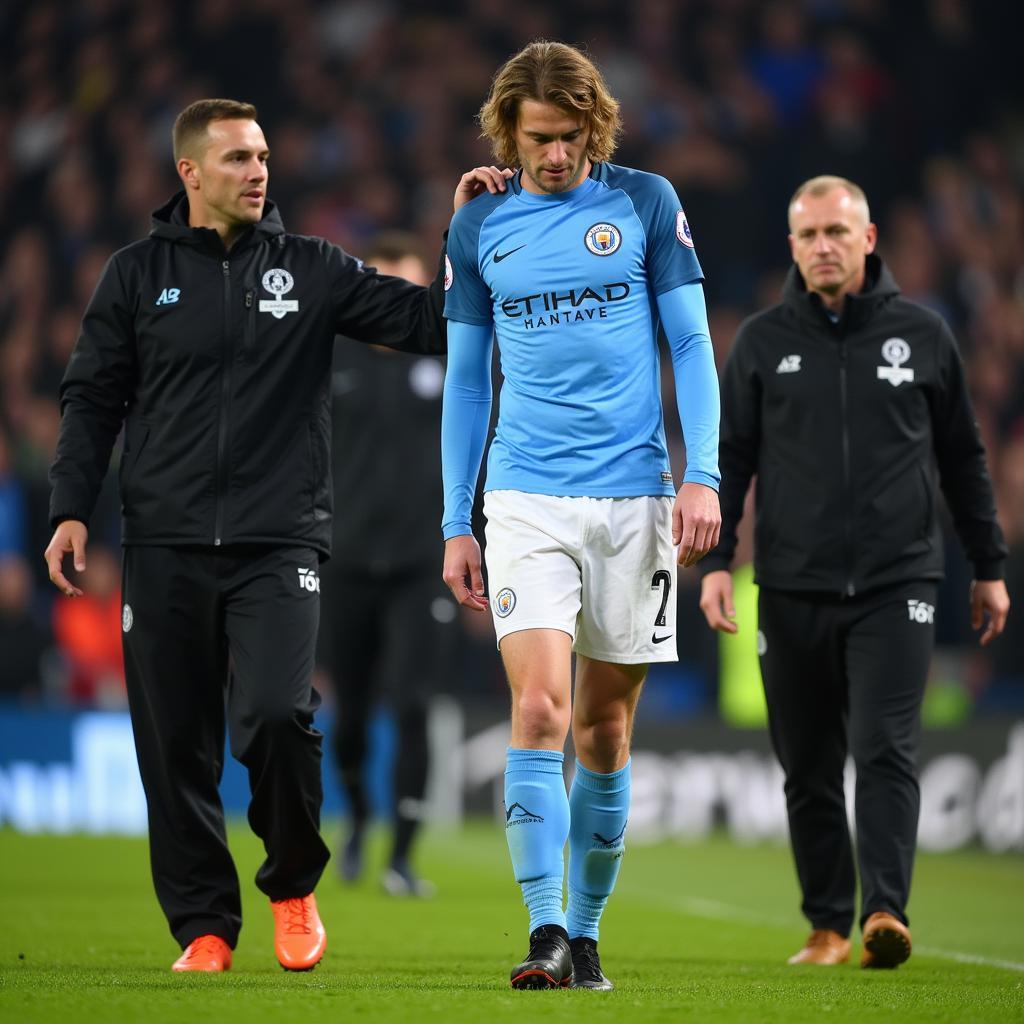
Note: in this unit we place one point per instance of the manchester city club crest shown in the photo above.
(603, 239)
(278, 282)
(895, 352)
(504, 602)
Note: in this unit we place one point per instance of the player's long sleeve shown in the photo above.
(465, 417)
(685, 320)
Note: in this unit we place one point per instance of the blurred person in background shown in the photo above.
(12, 503)
(850, 405)
(584, 525)
(211, 341)
(88, 633)
(388, 621)
(24, 643)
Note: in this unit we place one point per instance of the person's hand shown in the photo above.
(479, 180)
(989, 597)
(716, 601)
(462, 565)
(696, 522)
(70, 536)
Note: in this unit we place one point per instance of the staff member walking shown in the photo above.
(389, 623)
(849, 403)
(211, 340)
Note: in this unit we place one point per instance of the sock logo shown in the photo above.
(606, 843)
(517, 814)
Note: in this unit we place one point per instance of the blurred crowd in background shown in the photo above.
(369, 106)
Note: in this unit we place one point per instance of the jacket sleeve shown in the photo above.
(961, 460)
(383, 310)
(98, 384)
(740, 443)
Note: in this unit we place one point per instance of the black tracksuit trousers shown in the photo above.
(221, 637)
(848, 676)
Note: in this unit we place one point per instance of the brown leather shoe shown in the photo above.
(886, 941)
(824, 947)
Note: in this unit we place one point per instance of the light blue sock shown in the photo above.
(536, 827)
(599, 807)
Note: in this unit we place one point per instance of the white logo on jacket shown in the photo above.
(278, 282)
(426, 379)
(788, 364)
(895, 352)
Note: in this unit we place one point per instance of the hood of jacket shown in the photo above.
(170, 222)
(879, 288)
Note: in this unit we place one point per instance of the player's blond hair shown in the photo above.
(554, 73)
(824, 183)
(190, 126)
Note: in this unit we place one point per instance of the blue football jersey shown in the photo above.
(568, 282)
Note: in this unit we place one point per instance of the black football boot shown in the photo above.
(586, 965)
(549, 962)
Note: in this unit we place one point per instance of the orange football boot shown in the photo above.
(299, 936)
(207, 953)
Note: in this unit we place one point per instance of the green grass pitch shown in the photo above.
(694, 933)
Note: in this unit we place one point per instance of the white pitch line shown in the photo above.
(970, 958)
(718, 911)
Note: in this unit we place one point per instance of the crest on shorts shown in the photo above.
(504, 602)
(278, 282)
(603, 239)
(127, 618)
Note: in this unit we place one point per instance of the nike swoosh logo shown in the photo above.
(655, 639)
(499, 256)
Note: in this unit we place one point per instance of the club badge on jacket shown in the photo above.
(278, 282)
(895, 352)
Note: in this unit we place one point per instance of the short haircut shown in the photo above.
(552, 73)
(825, 183)
(392, 246)
(190, 126)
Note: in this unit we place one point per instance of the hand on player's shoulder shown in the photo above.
(479, 180)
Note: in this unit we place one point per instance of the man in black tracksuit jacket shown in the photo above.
(211, 340)
(849, 404)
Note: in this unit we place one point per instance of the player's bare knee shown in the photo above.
(540, 716)
(603, 743)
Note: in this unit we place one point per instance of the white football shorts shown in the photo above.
(602, 570)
